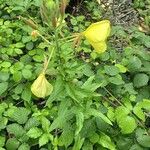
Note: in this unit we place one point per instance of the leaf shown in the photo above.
(24, 146)
(21, 115)
(111, 70)
(45, 124)
(32, 122)
(66, 138)
(117, 80)
(2, 141)
(58, 90)
(89, 85)
(140, 79)
(26, 94)
(12, 144)
(43, 140)
(3, 87)
(106, 142)
(97, 113)
(15, 129)
(142, 137)
(4, 76)
(27, 74)
(3, 123)
(134, 63)
(138, 109)
(34, 132)
(127, 124)
(79, 122)
(122, 68)
(78, 143)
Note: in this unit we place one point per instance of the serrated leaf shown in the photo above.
(34, 132)
(127, 124)
(21, 115)
(97, 113)
(79, 122)
(12, 144)
(140, 79)
(43, 140)
(15, 129)
(24, 146)
(2, 141)
(111, 70)
(106, 142)
(3, 87)
(66, 137)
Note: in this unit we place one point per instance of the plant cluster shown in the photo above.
(65, 86)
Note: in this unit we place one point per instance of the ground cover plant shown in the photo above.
(74, 75)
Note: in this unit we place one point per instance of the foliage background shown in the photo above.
(99, 101)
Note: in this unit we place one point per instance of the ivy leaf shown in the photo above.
(106, 142)
(34, 132)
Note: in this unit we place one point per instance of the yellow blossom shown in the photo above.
(97, 34)
(41, 87)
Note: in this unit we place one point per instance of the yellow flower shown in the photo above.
(97, 33)
(41, 87)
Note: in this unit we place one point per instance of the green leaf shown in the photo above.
(26, 94)
(5, 64)
(136, 147)
(127, 125)
(32, 122)
(45, 124)
(66, 137)
(26, 73)
(12, 144)
(4, 76)
(43, 140)
(140, 79)
(97, 113)
(142, 137)
(106, 142)
(3, 123)
(3, 87)
(78, 143)
(15, 129)
(21, 115)
(24, 146)
(79, 122)
(117, 80)
(29, 46)
(2, 141)
(34, 132)
(122, 68)
(17, 76)
(134, 63)
(111, 70)
(138, 109)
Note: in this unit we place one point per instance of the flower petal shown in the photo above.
(41, 87)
